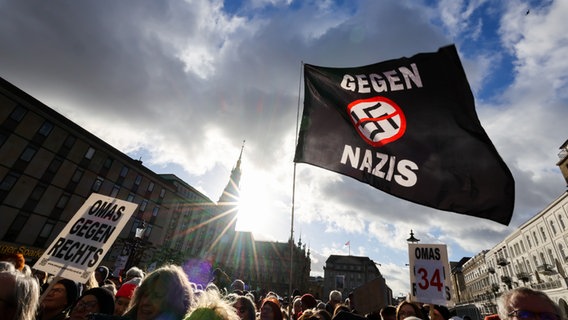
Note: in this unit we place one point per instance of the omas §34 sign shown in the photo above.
(82, 244)
(430, 280)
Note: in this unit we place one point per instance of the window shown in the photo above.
(3, 138)
(114, 191)
(155, 211)
(138, 180)
(62, 202)
(108, 163)
(46, 230)
(561, 222)
(28, 154)
(552, 227)
(54, 165)
(150, 186)
(97, 184)
(529, 241)
(535, 238)
(8, 182)
(18, 113)
(90, 153)
(77, 175)
(124, 172)
(143, 205)
(162, 193)
(543, 234)
(45, 128)
(130, 197)
(37, 192)
(69, 142)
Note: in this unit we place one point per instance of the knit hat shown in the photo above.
(104, 297)
(126, 290)
(72, 291)
(308, 301)
(103, 271)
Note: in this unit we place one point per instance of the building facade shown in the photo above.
(535, 255)
(49, 166)
(347, 273)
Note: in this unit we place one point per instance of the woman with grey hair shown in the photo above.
(19, 296)
(163, 294)
(527, 304)
(244, 306)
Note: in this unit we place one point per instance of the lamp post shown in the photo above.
(135, 245)
(412, 239)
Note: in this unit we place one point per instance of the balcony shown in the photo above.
(495, 287)
(491, 270)
(546, 269)
(506, 279)
(524, 276)
(502, 261)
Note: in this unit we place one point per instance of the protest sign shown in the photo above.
(430, 280)
(87, 237)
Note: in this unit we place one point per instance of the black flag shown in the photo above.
(409, 128)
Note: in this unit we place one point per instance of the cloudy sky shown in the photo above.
(180, 85)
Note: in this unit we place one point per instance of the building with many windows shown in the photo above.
(535, 255)
(49, 166)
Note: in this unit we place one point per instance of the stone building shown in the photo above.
(49, 166)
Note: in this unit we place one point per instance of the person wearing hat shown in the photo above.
(124, 295)
(308, 301)
(95, 300)
(270, 309)
(101, 274)
(58, 300)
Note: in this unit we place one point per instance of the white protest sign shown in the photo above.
(86, 238)
(430, 280)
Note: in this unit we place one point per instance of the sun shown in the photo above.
(253, 207)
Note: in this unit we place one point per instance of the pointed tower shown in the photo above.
(231, 193)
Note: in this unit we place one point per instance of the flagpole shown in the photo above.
(290, 316)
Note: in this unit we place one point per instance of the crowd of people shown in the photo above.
(168, 294)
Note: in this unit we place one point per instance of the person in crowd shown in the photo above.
(220, 279)
(439, 313)
(315, 314)
(238, 286)
(210, 305)
(407, 309)
(388, 313)
(58, 300)
(340, 307)
(110, 286)
(16, 259)
(7, 266)
(270, 309)
(101, 275)
(124, 295)
(245, 307)
(134, 272)
(95, 300)
(41, 277)
(335, 297)
(308, 302)
(525, 303)
(163, 294)
(19, 296)
(296, 307)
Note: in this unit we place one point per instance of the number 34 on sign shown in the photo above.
(430, 280)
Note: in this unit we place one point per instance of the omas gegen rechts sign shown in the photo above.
(85, 240)
(430, 280)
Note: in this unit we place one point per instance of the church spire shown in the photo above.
(231, 192)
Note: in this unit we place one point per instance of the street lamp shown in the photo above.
(412, 239)
(135, 245)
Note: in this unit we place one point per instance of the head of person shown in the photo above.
(164, 293)
(211, 306)
(297, 305)
(60, 297)
(123, 296)
(19, 296)
(335, 297)
(408, 309)
(527, 304)
(95, 300)
(439, 313)
(308, 301)
(134, 272)
(101, 274)
(388, 313)
(238, 286)
(244, 306)
(270, 309)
